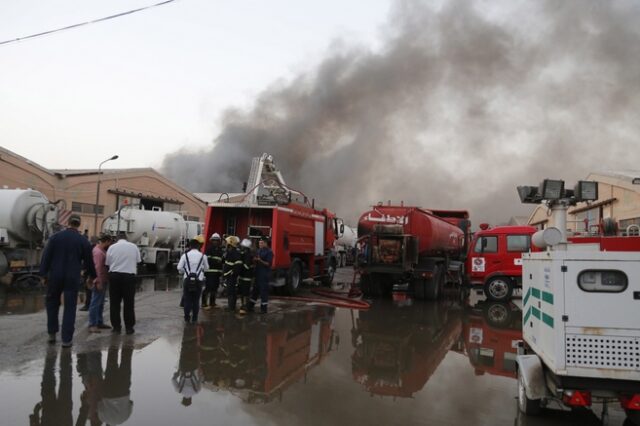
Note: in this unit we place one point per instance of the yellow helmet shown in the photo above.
(199, 238)
(233, 240)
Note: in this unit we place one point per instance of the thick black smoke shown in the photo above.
(459, 105)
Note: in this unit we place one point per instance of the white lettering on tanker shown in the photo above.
(477, 264)
(399, 220)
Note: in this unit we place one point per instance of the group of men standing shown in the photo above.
(106, 265)
(245, 273)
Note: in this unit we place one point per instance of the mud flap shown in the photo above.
(533, 376)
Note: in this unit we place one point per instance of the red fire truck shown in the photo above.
(495, 259)
(302, 237)
(494, 262)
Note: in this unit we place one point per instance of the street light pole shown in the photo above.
(95, 208)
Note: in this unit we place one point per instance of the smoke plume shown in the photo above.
(461, 103)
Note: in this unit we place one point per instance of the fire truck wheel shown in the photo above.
(331, 272)
(294, 278)
(525, 405)
(162, 261)
(499, 289)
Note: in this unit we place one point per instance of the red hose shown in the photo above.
(332, 298)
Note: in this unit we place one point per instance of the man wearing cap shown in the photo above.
(96, 308)
(122, 259)
(212, 275)
(66, 253)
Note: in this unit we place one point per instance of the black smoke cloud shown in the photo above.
(460, 104)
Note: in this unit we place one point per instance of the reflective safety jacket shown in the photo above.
(232, 263)
(246, 272)
(214, 256)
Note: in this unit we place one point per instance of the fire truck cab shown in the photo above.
(494, 262)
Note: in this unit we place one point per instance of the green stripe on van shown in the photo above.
(547, 320)
(527, 315)
(547, 297)
(535, 311)
(535, 292)
(526, 297)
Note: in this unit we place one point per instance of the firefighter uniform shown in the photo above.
(262, 275)
(212, 275)
(231, 270)
(246, 274)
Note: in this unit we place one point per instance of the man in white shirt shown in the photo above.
(122, 259)
(192, 264)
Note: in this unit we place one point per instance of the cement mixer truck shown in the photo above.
(160, 235)
(27, 219)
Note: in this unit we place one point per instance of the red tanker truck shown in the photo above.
(411, 247)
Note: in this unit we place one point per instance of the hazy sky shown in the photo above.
(147, 84)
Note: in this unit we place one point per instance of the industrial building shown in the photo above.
(618, 199)
(117, 187)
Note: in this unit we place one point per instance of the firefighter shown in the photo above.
(246, 274)
(231, 269)
(263, 261)
(212, 275)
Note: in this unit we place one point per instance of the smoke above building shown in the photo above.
(459, 104)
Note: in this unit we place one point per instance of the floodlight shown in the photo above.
(529, 194)
(586, 190)
(551, 189)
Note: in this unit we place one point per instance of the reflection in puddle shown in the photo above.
(106, 396)
(254, 359)
(398, 349)
(433, 363)
(491, 332)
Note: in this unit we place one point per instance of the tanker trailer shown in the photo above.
(158, 234)
(411, 248)
(27, 219)
(345, 245)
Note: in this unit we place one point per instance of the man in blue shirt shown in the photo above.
(263, 261)
(63, 259)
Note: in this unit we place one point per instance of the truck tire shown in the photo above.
(529, 407)
(28, 282)
(331, 272)
(294, 278)
(499, 289)
(162, 261)
(434, 285)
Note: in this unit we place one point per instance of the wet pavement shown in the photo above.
(312, 364)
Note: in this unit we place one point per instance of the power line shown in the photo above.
(95, 21)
